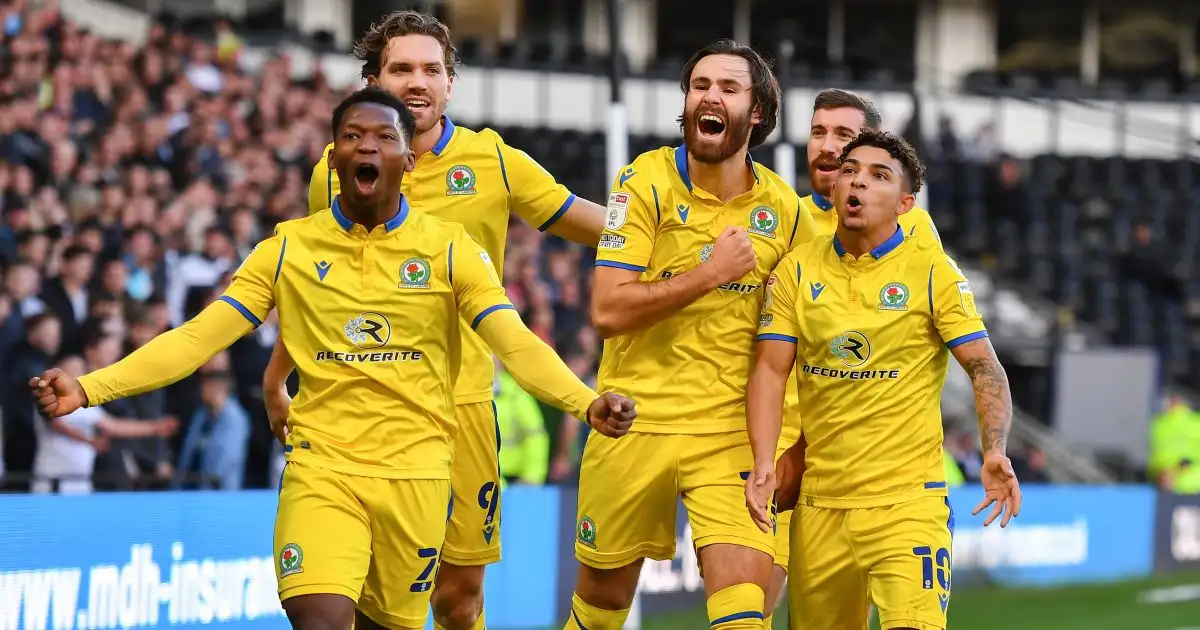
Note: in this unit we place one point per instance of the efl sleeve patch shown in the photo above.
(618, 210)
(966, 298)
(487, 262)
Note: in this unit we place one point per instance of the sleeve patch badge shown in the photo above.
(611, 241)
(618, 210)
(966, 298)
(491, 267)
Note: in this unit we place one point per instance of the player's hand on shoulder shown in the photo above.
(1002, 491)
(611, 414)
(732, 255)
(278, 405)
(57, 393)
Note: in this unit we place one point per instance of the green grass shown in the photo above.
(1098, 607)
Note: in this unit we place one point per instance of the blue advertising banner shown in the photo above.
(196, 559)
(138, 561)
(154, 560)
(1064, 534)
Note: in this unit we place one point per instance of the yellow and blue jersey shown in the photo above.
(474, 179)
(872, 339)
(915, 222)
(372, 321)
(688, 372)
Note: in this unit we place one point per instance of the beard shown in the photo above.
(815, 176)
(432, 117)
(735, 136)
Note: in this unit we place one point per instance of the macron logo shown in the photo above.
(626, 175)
(815, 288)
(683, 212)
(323, 269)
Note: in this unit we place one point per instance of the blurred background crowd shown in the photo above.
(134, 179)
(132, 183)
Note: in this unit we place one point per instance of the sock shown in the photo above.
(737, 607)
(584, 616)
(479, 622)
(769, 622)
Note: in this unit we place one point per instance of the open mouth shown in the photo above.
(825, 167)
(417, 105)
(710, 125)
(365, 178)
(853, 203)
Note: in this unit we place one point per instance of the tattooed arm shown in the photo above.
(993, 400)
(993, 404)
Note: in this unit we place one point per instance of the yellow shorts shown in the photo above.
(783, 520)
(897, 556)
(783, 531)
(473, 534)
(373, 540)
(629, 490)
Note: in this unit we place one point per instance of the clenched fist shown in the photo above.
(732, 255)
(611, 414)
(56, 393)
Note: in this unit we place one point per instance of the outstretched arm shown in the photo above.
(535, 367)
(582, 222)
(546, 204)
(168, 357)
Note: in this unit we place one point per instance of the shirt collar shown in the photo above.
(447, 134)
(345, 223)
(882, 250)
(682, 167)
(821, 202)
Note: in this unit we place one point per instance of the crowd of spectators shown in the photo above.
(133, 180)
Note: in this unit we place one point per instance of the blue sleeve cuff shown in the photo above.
(558, 215)
(619, 265)
(777, 337)
(488, 311)
(254, 320)
(958, 341)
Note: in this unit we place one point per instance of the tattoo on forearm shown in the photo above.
(993, 401)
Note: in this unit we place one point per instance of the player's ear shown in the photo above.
(411, 162)
(372, 80)
(449, 87)
(907, 201)
(755, 115)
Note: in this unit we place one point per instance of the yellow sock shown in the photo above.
(769, 622)
(584, 616)
(737, 607)
(480, 624)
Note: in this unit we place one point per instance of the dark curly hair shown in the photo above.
(764, 87)
(898, 148)
(379, 96)
(370, 48)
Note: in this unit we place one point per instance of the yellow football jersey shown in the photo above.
(914, 222)
(372, 321)
(474, 179)
(688, 372)
(872, 336)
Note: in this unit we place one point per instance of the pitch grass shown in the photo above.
(1098, 607)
